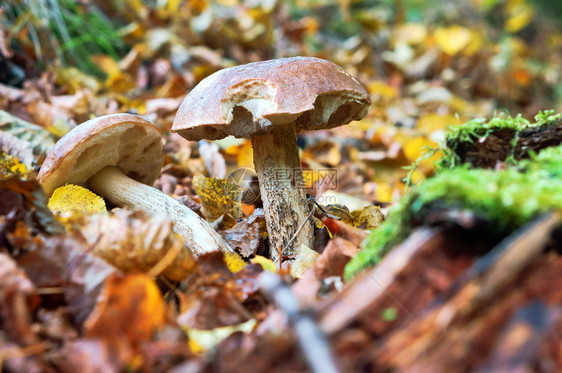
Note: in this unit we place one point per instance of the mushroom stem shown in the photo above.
(277, 163)
(123, 191)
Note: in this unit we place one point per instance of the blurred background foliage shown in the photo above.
(426, 64)
(377, 37)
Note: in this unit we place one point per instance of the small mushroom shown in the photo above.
(270, 102)
(119, 156)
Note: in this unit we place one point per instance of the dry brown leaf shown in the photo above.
(335, 256)
(214, 297)
(134, 241)
(245, 236)
(25, 201)
(369, 217)
(15, 289)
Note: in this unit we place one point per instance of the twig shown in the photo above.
(312, 341)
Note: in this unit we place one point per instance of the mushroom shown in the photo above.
(270, 102)
(119, 156)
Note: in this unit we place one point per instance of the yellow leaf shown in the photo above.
(73, 198)
(119, 82)
(383, 193)
(305, 259)
(475, 44)
(129, 307)
(519, 13)
(75, 80)
(246, 155)
(368, 218)
(410, 33)
(202, 340)
(414, 147)
(432, 122)
(266, 264)
(10, 166)
(234, 262)
(218, 197)
(380, 88)
(452, 39)
(105, 63)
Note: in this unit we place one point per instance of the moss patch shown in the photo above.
(481, 143)
(506, 199)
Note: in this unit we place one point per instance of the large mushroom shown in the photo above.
(270, 102)
(119, 156)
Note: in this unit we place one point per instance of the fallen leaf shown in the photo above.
(265, 263)
(214, 297)
(305, 259)
(129, 310)
(410, 33)
(15, 290)
(368, 218)
(201, 340)
(218, 197)
(90, 355)
(11, 166)
(234, 262)
(134, 241)
(245, 236)
(325, 151)
(335, 256)
(519, 15)
(24, 201)
(39, 139)
(62, 262)
(452, 39)
(19, 149)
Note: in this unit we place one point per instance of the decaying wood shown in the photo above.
(498, 145)
(460, 333)
(407, 279)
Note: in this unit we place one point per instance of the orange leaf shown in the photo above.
(129, 307)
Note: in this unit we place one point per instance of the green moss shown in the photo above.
(478, 129)
(507, 199)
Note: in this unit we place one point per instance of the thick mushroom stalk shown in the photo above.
(123, 191)
(277, 163)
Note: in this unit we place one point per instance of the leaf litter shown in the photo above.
(116, 290)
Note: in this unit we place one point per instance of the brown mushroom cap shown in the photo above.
(252, 99)
(127, 141)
